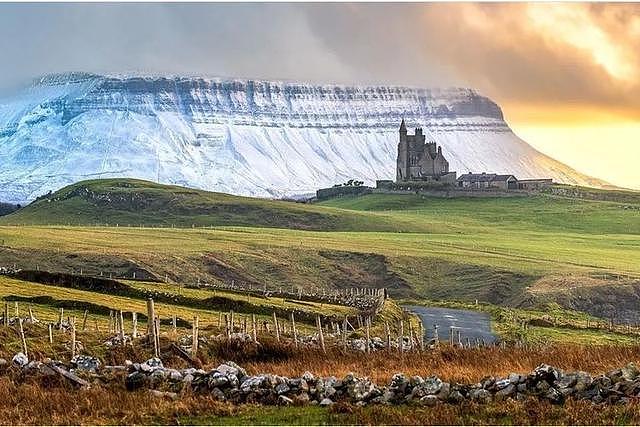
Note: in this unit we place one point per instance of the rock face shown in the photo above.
(258, 138)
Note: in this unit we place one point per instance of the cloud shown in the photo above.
(554, 56)
(578, 56)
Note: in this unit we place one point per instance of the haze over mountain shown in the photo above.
(246, 137)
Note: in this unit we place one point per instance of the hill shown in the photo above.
(128, 202)
(517, 251)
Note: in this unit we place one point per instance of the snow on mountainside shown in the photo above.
(257, 138)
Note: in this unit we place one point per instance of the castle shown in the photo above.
(419, 160)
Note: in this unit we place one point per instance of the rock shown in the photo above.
(218, 394)
(282, 388)
(360, 389)
(302, 397)
(547, 373)
(135, 380)
(502, 394)
(175, 375)
(443, 394)
(85, 363)
(480, 395)
(218, 380)
(326, 402)
(515, 378)
(308, 377)
(630, 372)
(500, 384)
(231, 368)
(455, 397)
(284, 400)
(151, 365)
(431, 385)
(429, 400)
(554, 396)
(20, 360)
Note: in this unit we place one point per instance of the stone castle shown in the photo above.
(419, 160)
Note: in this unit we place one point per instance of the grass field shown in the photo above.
(515, 251)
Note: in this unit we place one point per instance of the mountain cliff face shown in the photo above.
(257, 138)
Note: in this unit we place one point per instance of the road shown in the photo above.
(472, 324)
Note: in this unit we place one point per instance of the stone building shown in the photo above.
(419, 160)
(487, 180)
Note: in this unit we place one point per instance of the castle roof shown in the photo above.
(403, 127)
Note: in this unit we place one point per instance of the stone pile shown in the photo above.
(230, 382)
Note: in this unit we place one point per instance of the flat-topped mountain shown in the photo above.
(246, 137)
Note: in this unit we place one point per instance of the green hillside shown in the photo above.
(514, 251)
(128, 202)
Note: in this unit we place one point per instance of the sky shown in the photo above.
(567, 75)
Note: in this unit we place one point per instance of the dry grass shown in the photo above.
(468, 365)
(35, 400)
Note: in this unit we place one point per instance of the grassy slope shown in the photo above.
(492, 249)
(129, 202)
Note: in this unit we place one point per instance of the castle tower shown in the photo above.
(402, 166)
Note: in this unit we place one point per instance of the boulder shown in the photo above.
(326, 402)
(135, 380)
(20, 360)
(284, 400)
(85, 363)
(429, 400)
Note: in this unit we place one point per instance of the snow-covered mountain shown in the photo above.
(258, 138)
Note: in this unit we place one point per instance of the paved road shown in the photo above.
(472, 324)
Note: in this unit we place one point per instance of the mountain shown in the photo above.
(246, 137)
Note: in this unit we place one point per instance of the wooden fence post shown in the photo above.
(320, 335)
(73, 337)
(275, 326)
(174, 325)
(84, 320)
(61, 318)
(231, 321)
(157, 334)
(31, 318)
(254, 331)
(50, 333)
(388, 333)
(401, 337)
(367, 322)
(410, 334)
(22, 338)
(17, 310)
(121, 322)
(435, 334)
(293, 330)
(134, 325)
(151, 327)
(226, 326)
(194, 333)
(344, 333)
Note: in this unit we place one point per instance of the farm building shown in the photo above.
(487, 180)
